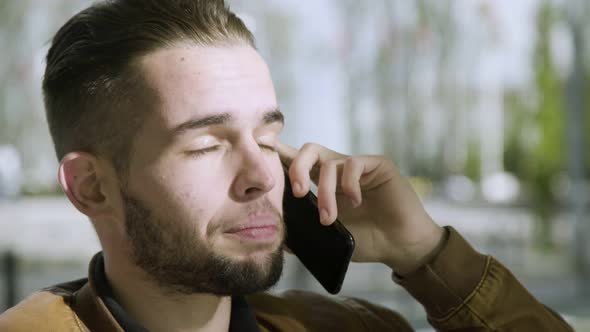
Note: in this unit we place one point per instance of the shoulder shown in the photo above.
(48, 309)
(314, 311)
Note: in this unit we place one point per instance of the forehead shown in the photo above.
(194, 80)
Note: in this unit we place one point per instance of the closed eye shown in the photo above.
(267, 147)
(196, 153)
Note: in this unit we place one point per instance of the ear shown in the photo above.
(80, 178)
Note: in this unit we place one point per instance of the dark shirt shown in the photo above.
(242, 317)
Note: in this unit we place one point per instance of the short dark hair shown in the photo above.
(92, 87)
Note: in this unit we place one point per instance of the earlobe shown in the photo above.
(78, 177)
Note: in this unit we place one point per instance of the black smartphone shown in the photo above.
(325, 251)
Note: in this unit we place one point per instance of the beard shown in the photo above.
(179, 263)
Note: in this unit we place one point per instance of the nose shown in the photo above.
(254, 178)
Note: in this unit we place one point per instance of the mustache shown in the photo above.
(262, 205)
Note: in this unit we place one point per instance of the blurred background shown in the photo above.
(484, 104)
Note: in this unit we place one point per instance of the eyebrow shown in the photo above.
(270, 117)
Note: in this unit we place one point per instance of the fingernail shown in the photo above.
(324, 215)
(296, 187)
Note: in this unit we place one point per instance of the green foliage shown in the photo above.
(537, 160)
(473, 162)
(548, 154)
(587, 124)
(514, 147)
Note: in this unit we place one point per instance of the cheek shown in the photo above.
(197, 201)
(276, 194)
(185, 197)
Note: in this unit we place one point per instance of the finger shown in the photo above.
(327, 191)
(352, 171)
(306, 165)
(286, 153)
(301, 167)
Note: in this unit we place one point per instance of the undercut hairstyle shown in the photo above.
(94, 93)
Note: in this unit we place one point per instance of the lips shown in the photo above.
(257, 233)
(259, 226)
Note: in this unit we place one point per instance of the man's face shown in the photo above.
(203, 196)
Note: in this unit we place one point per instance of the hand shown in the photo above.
(371, 198)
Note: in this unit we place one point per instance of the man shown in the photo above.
(165, 120)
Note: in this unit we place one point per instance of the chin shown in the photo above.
(257, 256)
(241, 250)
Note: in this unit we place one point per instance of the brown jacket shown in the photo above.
(461, 290)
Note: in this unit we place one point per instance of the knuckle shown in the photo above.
(324, 165)
(331, 163)
(388, 163)
(329, 166)
(352, 163)
(308, 146)
(348, 188)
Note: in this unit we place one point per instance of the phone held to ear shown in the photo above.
(324, 250)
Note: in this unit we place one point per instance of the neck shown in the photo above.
(157, 310)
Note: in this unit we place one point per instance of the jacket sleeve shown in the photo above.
(462, 289)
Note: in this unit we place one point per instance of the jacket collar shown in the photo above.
(90, 307)
(97, 308)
